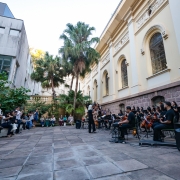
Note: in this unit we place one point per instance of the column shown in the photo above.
(175, 13)
(99, 84)
(91, 86)
(133, 60)
(111, 73)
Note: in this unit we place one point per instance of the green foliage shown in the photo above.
(77, 50)
(66, 103)
(38, 104)
(10, 98)
(49, 72)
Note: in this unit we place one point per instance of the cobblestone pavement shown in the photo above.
(66, 153)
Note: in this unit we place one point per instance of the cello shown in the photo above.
(147, 123)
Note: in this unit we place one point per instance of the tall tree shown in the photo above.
(77, 48)
(68, 70)
(49, 72)
(36, 54)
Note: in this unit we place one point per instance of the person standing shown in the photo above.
(91, 120)
(18, 118)
(36, 116)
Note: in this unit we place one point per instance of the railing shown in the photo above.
(46, 99)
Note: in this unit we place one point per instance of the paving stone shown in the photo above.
(118, 157)
(70, 163)
(171, 170)
(87, 153)
(63, 155)
(12, 171)
(9, 178)
(36, 168)
(130, 165)
(12, 162)
(74, 174)
(93, 160)
(150, 174)
(65, 149)
(43, 176)
(39, 159)
(102, 170)
(116, 177)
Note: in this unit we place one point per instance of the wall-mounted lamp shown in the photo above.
(127, 64)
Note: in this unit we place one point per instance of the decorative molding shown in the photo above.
(160, 28)
(95, 71)
(105, 60)
(122, 42)
(123, 88)
(161, 72)
(146, 16)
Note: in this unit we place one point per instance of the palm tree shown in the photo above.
(49, 72)
(77, 48)
(68, 70)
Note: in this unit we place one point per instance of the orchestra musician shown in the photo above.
(167, 123)
(129, 122)
(175, 108)
(95, 115)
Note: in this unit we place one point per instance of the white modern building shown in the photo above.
(15, 59)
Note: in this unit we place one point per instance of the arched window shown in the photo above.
(124, 74)
(158, 57)
(107, 83)
(122, 108)
(157, 99)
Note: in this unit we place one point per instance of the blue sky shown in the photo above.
(45, 20)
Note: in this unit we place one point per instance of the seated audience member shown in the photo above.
(5, 123)
(61, 122)
(128, 123)
(166, 123)
(175, 108)
(71, 119)
(42, 119)
(29, 123)
(52, 120)
(65, 120)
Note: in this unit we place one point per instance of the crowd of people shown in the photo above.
(156, 118)
(12, 120)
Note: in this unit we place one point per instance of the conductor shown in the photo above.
(91, 120)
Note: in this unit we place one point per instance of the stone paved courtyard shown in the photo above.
(66, 153)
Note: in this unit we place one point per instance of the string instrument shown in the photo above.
(147, 122)
(95, 119)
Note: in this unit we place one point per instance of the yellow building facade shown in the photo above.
(140, 56)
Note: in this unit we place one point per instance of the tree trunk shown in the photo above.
(53, 91)
(75, 92)
(72, 82)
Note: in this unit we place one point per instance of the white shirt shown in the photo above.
(18, 116)
(53, 119)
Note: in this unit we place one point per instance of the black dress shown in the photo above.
(91, 121)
